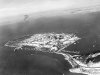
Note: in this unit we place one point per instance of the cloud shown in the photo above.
(13, 8)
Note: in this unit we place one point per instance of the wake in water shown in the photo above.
(56, 43)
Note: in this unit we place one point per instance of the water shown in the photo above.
(22, 62)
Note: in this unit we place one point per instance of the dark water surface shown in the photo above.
(25, 62)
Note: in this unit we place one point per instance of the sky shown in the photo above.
(9, 8)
